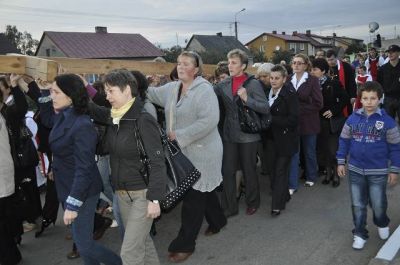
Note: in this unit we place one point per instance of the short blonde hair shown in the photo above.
(305, 59)
(244, 59)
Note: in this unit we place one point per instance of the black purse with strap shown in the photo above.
(181, 173)
(250, 120)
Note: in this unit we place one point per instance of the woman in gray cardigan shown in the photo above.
(192, 114)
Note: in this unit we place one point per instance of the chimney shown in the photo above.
(334, 34)
(99, 29)
(308, 32)
(274, 32)
(294, 33)
(283, 33)
(219, 34)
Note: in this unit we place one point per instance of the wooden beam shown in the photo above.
(47, 68)
(33, 66)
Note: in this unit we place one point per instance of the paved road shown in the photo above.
(315, 229)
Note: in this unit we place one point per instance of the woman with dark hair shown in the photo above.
(191, 109)
(282, 138)
(73, 142)
(138, 202)
(310, 102)
(331, 117)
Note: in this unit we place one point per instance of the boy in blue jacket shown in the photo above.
(371, 138)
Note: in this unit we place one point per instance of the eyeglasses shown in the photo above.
(297, 63)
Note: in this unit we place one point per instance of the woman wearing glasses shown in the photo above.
(310, 102)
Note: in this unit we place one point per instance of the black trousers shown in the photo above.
(197, 205)
(327, 145)
(51, 204)
(244, 154)
(9, 253)
(280, 167)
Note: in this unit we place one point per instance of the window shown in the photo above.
(262, 48)
(265, 38)
(301, 46)
(292, 46)
(47, 52)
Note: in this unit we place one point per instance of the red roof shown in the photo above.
(287, 37)
(102, 45)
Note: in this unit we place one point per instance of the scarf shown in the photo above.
(117, 114)
(322, 80)
(342, 80)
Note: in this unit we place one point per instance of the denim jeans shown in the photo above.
(104, 168)
(309, 143)
(368, 190)
(92, 253)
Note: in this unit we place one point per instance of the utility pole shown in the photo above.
(236, 23)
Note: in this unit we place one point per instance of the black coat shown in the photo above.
(124, 155)
(285, 119)
(335, 97)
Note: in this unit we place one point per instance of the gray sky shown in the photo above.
(168, 22)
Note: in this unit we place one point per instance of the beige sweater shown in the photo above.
(6, 163)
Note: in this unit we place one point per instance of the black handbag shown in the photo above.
(181, 173)
(336, 124)
(250, 120)
(23, 150)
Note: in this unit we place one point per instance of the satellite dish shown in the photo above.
(373, 26)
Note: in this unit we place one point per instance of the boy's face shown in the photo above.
(370, 101)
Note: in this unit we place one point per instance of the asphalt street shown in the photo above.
(315, 229)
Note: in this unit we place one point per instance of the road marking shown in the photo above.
(389, 249)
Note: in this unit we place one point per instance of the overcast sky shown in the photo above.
(168, 22)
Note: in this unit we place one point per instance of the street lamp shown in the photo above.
(236, 31)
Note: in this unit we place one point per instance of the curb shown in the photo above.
(388, 251)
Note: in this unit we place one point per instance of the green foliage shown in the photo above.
(281, 56)
(354, 48)
(171, 54)
(258, 56)
(23, 41)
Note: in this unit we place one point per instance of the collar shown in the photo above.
(9, 100)
(323, 79)
(302, 80)
(338, 63)
(361, 111)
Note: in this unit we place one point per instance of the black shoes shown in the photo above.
(45, 223)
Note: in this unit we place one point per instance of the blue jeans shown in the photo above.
(92, 253)
(309, 143)
(104, 168)
(364, 190)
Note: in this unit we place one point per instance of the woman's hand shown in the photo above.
(43, 85)
(172, 135)
(69, 217)
(327, 114)
(242, 93)
(392, 179)
(153, 210)
(341, 171)
(14, 79)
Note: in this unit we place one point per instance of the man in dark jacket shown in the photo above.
(389, 78)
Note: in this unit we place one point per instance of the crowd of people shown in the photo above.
(83, 139)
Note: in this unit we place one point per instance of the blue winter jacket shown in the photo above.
(373, 143)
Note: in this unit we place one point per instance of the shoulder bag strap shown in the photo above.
(144, 159)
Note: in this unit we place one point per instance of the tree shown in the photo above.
(23, 41)
(258, 56)
(354, 48)
(171, 54)
(281, 56)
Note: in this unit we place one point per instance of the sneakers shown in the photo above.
(292, 191)
(383, 232)
(358, 242)
(309, 184)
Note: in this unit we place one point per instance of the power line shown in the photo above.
(79, 13)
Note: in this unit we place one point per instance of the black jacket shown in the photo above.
(335, 97)
(124, 156)
(285, 118)
(389, 78)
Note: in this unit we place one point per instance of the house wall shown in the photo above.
(196, 46)
(267, 44)
(49, 49)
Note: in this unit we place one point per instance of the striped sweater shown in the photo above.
(372, 142)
